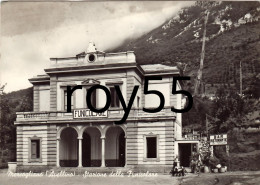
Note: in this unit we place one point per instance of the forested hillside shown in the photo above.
(17, 101)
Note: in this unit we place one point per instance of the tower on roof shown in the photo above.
(91, 48)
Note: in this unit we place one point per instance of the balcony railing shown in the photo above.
(112, 114)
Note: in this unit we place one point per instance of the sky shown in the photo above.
(34, 32)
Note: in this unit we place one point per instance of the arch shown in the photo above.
(86, 127)
(115, 153)
(91, 146)
(68, 147)
(123, 127)
(59, 131)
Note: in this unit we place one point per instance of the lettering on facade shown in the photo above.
(87, 113)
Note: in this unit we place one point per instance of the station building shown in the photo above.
(50, 137)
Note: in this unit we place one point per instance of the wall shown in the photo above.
(162, 86)
(23, 135)
(176, 101)
(135, 142)
(80, 96)
(44, 98)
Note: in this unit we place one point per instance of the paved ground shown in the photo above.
(230, 178)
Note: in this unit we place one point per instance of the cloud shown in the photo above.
(64, 29)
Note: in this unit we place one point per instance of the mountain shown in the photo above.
(232, 50)
(232, 36)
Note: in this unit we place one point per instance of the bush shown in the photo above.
(224, 160)
(213, 162)
(194, 156)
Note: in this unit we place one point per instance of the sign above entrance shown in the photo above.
(220, 139)
(86, 113)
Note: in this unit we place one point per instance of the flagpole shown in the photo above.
(207, 129)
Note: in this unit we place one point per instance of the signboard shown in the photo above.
(220, 139)
(86, 113)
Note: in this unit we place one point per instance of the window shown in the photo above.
(93, 98)
(138, 101)
(114, 97)
(65, 100)
(91, 58)
(151, 145)
(34, 149)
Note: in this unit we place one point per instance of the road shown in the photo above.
(229, 178)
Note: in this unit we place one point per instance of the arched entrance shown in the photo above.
(91, 147)
(86, 150)
(115, 147)
(69, 148)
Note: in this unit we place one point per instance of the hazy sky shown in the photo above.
(33, 32)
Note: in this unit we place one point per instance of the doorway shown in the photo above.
(185, 152)
(69, 148)
(121, 161)
(86, 150)
(91, 147)
(115, 147)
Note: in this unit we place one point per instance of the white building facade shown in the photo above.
(51, 137)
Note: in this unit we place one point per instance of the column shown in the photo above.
(58, 153)
(103, 164)
(125, 151)
(80, 152)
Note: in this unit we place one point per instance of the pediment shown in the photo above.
(90, 82)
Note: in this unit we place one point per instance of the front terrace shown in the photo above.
(114, 114)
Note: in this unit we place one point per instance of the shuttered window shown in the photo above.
(34, 153)
(35, 149)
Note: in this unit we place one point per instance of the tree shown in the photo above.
(228, 111)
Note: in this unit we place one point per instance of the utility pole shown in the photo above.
(199, 76)
(1, 93)
(207, 126)
(1, 145)
(241, 78)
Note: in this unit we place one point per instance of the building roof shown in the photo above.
(94, 60)
(42, 78)
(155, 68)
